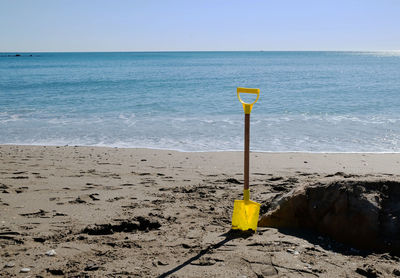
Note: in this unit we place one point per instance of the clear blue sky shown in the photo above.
(148, 25)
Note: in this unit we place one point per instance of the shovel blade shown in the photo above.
(245, 215)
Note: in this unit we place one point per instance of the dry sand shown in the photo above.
(110, 212)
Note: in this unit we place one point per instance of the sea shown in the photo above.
(186, 101)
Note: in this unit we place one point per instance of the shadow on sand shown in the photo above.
(325, 242)
(231, 235)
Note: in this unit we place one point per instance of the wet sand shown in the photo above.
(111, 212)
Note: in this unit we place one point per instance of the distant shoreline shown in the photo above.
(201, 51)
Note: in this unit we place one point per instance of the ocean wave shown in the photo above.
(278, 133)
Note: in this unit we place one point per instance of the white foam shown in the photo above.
(310, 133)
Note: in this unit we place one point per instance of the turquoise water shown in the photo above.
(310, 101)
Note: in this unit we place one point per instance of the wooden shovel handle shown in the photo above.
(246, 150)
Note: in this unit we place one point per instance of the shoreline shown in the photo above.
(283, 162)
(192, 151)
(183, 151)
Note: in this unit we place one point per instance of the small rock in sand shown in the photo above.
(161, 263)
(91, 267)
(51, 253)
(291, 251)
(9, 264)
(25, 270)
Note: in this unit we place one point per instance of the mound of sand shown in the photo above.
(363, 214)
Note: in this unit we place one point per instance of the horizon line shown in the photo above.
(172, 51)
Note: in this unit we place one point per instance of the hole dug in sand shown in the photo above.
(362, 214)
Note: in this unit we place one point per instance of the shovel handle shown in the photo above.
(247, 110)
(246, 151)
(247, 106)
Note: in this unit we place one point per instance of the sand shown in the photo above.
(112, 212)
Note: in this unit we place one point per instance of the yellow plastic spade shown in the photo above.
(246, 212)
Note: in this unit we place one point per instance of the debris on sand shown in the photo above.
(51, 253)
(9, 264)
(25, 270)
(55, 272)
(139, 223)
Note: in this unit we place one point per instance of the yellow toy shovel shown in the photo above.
(246, 212)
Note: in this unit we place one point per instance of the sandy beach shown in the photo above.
(112, 212)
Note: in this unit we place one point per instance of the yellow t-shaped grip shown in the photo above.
(247, 106)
